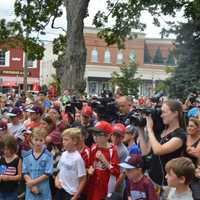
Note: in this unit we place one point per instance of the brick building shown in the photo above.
(102, 61)
(12, 65)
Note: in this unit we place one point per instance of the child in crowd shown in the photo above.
(180, 172)
(37, 167)
(10, 169)
(103, 162)
(71, 178)
(139, 186)
(85, 154)
(130, 139)
(117, 138)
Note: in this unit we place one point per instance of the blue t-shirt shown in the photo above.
(193, 112)
(46, 104)
(134, 149)
(36, 167)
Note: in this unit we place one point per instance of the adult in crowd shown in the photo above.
(85, 122)
(193, 151)
(35, 113)
(170, 144)
(125, 106)
(15, 126)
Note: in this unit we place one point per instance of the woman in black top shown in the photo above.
(171, 143)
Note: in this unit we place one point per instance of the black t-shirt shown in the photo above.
(10, 169)
(157, 167)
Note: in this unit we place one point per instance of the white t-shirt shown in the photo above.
(173, 195)
(71, 167)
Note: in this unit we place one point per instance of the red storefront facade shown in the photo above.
(12, 67)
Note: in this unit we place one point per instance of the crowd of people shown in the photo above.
(65, 149)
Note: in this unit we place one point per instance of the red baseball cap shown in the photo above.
(102, 126)
(87, 111)
(119, 128)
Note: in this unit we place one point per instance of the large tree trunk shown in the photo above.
(75, 55)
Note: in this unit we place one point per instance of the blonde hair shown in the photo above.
(73, 133)
(195, 121)
(39, 132)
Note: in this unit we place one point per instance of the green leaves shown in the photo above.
(126, 79)
(59, 44)
(187, 74)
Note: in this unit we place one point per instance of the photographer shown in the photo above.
(169, 145)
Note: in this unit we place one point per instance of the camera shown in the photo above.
(137, 118)
(71, 106)
(106, 108)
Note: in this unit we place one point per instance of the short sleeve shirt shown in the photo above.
(36, 167)
(157, 168)
(71, 167)
(142, 190)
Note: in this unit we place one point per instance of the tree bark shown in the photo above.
(75, 53)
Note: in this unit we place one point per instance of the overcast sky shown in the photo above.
(6, 11)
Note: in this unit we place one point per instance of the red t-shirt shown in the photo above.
(98, 182)
(142, 190)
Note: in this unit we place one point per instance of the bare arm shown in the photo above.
(162, 149)
(145, 145)
(82, 182)
(31, 182)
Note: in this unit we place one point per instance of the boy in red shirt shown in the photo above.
(103, 162)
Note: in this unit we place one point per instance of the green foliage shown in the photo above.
(36, 14)
(126, 79)
(170, 59)
(158, 59)
(187, 74)
(170, 69)
(163, 85)
(147, 57)
(126, 17)
(59, 44)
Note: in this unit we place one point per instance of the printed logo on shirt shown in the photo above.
(138, 195)
(100, 165)
(42, 163)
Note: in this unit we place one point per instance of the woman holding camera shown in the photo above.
(170, 144)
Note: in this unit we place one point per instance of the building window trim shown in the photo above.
(120, 58)
(107, 56)
(94, 56)
(132, 56)
(32, 64)
(6, 60)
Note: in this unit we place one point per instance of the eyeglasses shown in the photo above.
(99, 134)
